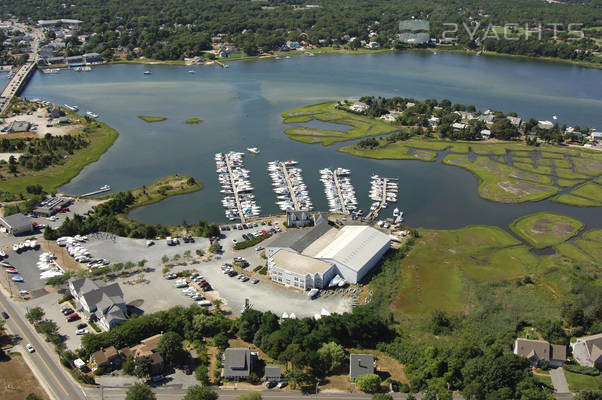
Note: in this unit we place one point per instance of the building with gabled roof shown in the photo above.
(105, 302)
(237, 362)
(540, 352)
(587, 351)
(360, 364)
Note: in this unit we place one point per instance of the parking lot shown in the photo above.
(25, 264)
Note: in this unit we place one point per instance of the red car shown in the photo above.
(73, 317)
(11, 271)
(187, 370)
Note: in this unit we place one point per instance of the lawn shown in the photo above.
(546, 229)
(361, 126)
(160, 189)
(101, 137)
(195, 120)
(151, 118)
(582, 382)
(18, 380)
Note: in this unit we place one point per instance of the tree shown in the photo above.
(144, 366)
(220, 340)
(589, 395)
(164, 259)
(170, 348)
(140, 391)
(128, 366)
(35, 315)
(368, 383)
(197, 392)
(32, 396)
(332, 355)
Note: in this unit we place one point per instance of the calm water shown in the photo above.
(241, 108)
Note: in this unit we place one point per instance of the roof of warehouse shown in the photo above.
(354, 246)
(300, 264)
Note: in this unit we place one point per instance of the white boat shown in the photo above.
(147, 72)
(91, 114)
(313, 293)
(105, 187)
(72, 108)
(396, 212)
(191, 71)
(253, 150)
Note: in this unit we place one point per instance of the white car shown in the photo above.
(82, 331)
(29, 348)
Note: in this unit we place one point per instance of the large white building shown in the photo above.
(307, 259)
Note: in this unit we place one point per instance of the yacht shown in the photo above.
(253, 150)
(72, 108)
(396, 212)
(91, 114)
(147, 72)
(105, 187)
(191, 71)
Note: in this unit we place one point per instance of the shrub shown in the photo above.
(581, 369)
(250, 243)
(368, 383)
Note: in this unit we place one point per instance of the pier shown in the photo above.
(339, 191)
(234, 188)
(16, 84)
(381, 193)
(290, 187)
(95, 192)
(291, 191)
(337, 184)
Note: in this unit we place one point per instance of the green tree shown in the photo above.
(589, 395)
(164, 259)
(140, 391)
(170, 348)
(32, 396)
(221, 341)
(35, 315)
(197, 392)
(332, 356)
(144, 366)
(368, 383)
(128, 366)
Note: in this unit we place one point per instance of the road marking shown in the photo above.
(29, 338)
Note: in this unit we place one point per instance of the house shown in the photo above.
(75, 61)
(359, 107)
(390, 117)
(485, 134)
(458, 126)
(487, 118)
(540, 352)
(433, 121)
(545, 125)
(19, 127)
(373, 45)
(465, 115)
(93, 58)
(298, 218)
(52, 205)
(106, 303)
(360, 364)
(238, 363)
(106, 357)
(587, 351)
(17, 224)
(272, 373)
(54, 111)
(146, 348)
(515, 121)
(596, 136)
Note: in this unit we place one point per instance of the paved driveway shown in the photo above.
(559, 381)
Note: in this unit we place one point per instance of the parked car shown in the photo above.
(81, 331)
(82, 325)
(4, 315)
(187, 370)
(67, 311)
(282, 384)
(73, 317)
(255, 281)
(29, 348)
(270, 384)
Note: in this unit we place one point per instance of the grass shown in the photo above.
(582, 382)
(101, 137)
(171, 185)
(18, 380)
(361, 126)
(546, 229)
(151, 118)
(394, 151)
(592, 191)
(195, 120)
(501, 183)
(575, 201)
(438, 271)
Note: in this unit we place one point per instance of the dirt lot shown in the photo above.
(17, 381)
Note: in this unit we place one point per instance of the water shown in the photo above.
(241, 108)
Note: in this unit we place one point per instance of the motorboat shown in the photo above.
(72, 108)
(91, 114)
(147, 72)
(105, 187)
(253, 150)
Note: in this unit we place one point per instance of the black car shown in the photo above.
(4, 315)
(82, 325)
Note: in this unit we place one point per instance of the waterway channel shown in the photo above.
(241, 107)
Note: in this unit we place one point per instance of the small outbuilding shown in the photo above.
(17, 224)
(272, 373)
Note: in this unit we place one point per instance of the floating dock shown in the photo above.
(291, 191)
(382, 192)
(339, 191)
(95, 192)
(239, 200)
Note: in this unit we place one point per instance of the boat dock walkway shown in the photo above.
(234, 188)
(339, 192)
(94, 192)
(290, 187)
(382, 201)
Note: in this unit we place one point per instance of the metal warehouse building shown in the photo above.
(17, 224)
(307, 259)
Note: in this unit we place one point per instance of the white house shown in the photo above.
(359, 107)
(105, 302)
(485, 134)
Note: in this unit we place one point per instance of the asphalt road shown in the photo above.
(45, 362)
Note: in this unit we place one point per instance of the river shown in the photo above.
(241, 107)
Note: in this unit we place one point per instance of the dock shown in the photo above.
(95, 192)
(290, 187)
(382, 194)
(291, 191)
(339, 191)
(337, 184)
(234, 188)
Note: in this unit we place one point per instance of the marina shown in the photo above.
(339, 191)
(239, 200)
(291, 190)
(382, 192)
